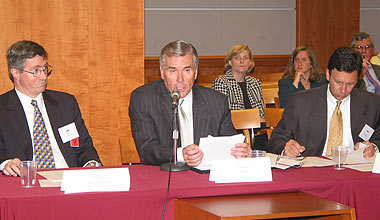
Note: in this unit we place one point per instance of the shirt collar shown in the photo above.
(188, 99)
(332, 99)
(26, 100)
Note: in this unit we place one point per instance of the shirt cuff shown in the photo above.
(376, 147)
(2, 165)
(180, 155)
(93, 163)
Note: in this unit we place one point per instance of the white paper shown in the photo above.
(376, 165)
(242, 170)
(356, 156)
(96, 180)
(68, 132)
(366, 132)
(217, 148)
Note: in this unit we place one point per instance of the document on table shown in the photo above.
(95, 180)
(217, 148)
(53, 178)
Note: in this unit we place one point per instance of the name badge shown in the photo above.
(69, 132)
(366, 132)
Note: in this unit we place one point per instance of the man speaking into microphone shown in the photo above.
(201, 111)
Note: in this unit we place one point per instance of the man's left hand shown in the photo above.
(241, 150)
(369, 151)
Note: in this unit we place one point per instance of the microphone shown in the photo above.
(175, 94)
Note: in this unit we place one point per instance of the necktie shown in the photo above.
(43, 153)
(186, 134)
(373, 81)
(336, 129)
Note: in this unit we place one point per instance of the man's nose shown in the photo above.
(179, 77)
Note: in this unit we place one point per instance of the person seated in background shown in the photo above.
(302, 73)
(330, 115)
(201, 111)
(369, 78)
(39, 124)
(242, 91)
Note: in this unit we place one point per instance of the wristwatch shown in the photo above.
(93, 164)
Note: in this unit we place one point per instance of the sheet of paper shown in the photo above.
(376, 166)
(317, 162)
(52, 174)
(50, 183)
(366, 167)
(357, 155)
(242, 170)
(217, 148)
(95, 180)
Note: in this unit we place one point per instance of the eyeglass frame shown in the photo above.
(359, 47)
(41, 69)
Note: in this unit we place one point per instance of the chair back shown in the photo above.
(128, 151)
(269, 94)
(272, 117)
(246, 119)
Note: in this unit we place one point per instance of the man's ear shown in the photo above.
(14, 73)
(161, 72)
(327, 75)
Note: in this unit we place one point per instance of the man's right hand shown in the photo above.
(12, 168)
(293, 148)
(192, 155)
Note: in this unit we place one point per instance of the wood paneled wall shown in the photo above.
(97, 50)
(326, 25)
(214, 65)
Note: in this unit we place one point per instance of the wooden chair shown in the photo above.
(267, 77)
(277, 102)
(246, 119)
(268, 95)
(128, 151)
(272, 117)
(208, 85)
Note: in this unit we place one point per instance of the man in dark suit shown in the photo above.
(66, 141)
(370, 76)
(305, 124)
(206, 110)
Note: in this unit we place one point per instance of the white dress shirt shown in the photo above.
(187, 106)
(346, 116)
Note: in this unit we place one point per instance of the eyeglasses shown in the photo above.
(47, 69)
(363, 47)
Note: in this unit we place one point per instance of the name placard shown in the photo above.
(241, 170)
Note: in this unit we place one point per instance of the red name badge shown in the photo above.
(74, 142)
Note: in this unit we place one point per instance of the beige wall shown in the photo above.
(96, 49)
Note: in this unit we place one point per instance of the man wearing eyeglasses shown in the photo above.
(363, 43)
(38, 124)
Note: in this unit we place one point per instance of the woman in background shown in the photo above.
(302, 73)
(243, 91)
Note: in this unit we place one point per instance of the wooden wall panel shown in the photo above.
(325, 25)
(97, 50)
(214, 65)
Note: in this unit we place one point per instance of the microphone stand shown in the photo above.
(174, 166)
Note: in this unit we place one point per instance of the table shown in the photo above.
(145, 199)
(261, 206)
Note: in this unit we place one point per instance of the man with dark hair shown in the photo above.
(204, 111)
(38, 124)
(306, 124)
(369, 79)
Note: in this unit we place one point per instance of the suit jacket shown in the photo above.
(151, 115)
(62, 108)
(305, 120)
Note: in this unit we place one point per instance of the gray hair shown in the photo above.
(361, 36)
(178, 48)
(22, 50)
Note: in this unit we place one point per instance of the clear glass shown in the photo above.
(339, 156)
(28, 173)
(258, 153)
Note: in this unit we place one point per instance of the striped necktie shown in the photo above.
(43, 153)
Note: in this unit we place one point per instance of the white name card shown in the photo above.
(376, 165)
(241, 170)
(95, 180)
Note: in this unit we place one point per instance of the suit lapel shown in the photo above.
(358, 115)
(19, 123)
(318, 117)
(200, 114)
(164, 103)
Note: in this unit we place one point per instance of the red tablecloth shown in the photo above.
(145, 199)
